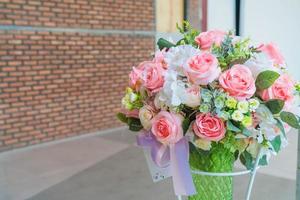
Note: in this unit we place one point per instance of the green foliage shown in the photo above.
(163, 43)
(290, 119)
(275, 105)
(263, 161)
(132, 99)
(188, 33)
(276, 143)
(246, 132)
(122, 117)
(265, 79)
(246, 159)
(230, 53)
(133, 123)
(185, 125)
(231, 127)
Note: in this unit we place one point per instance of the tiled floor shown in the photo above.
(111, 167)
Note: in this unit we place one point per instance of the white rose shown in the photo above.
(264, 114)
(146, 113)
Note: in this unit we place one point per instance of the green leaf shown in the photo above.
(265, 79)
(134, 124)
(263, 161)
(122, 117)
(185, 125)
(275, 105)
(236, 155)
(290, 119)
(246, 159)
(163, 43)
(246, 132)
(276, 143)
(232, 127)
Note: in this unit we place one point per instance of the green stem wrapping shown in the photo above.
(218, 159)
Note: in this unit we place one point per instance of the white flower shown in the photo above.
(253, 148)
(243, 106)
(173, 89)
(253, 104)
(237, 115)
(146, 113)
(133, 97)
(259, 63)
(160, 101)
(176, 57)
(268, 130)
(176, 92)
(203, 144)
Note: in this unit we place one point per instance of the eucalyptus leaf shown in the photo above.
(263, 161)
(275, 105)
(163, 43)
(246, 132)
(265, 79)
(246, 159)
(290, 119)
(232, 127)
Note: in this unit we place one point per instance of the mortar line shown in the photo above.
(77, 30)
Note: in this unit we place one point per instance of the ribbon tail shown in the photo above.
(182, 178)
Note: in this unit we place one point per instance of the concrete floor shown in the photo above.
(111, 167)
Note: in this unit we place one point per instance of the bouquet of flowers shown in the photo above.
(208, 100)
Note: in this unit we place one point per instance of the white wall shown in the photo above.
(275, 21)
(220, 14)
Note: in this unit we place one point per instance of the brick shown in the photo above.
(80, 14)
(55, 84)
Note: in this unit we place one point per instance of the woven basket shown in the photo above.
(219, 159)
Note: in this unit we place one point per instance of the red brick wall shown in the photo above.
(107, 14)
(56, 84)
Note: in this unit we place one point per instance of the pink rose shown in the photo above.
(166, 127)
(238, 82)
(206, 39)
(273, 53)
(191, 97)
(202, 69)
(209, 127)
(152, 76)
(281, 89)
(136, 74)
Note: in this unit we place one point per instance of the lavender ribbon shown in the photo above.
(173, 157)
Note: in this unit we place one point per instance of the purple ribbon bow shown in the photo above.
(173, 156)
